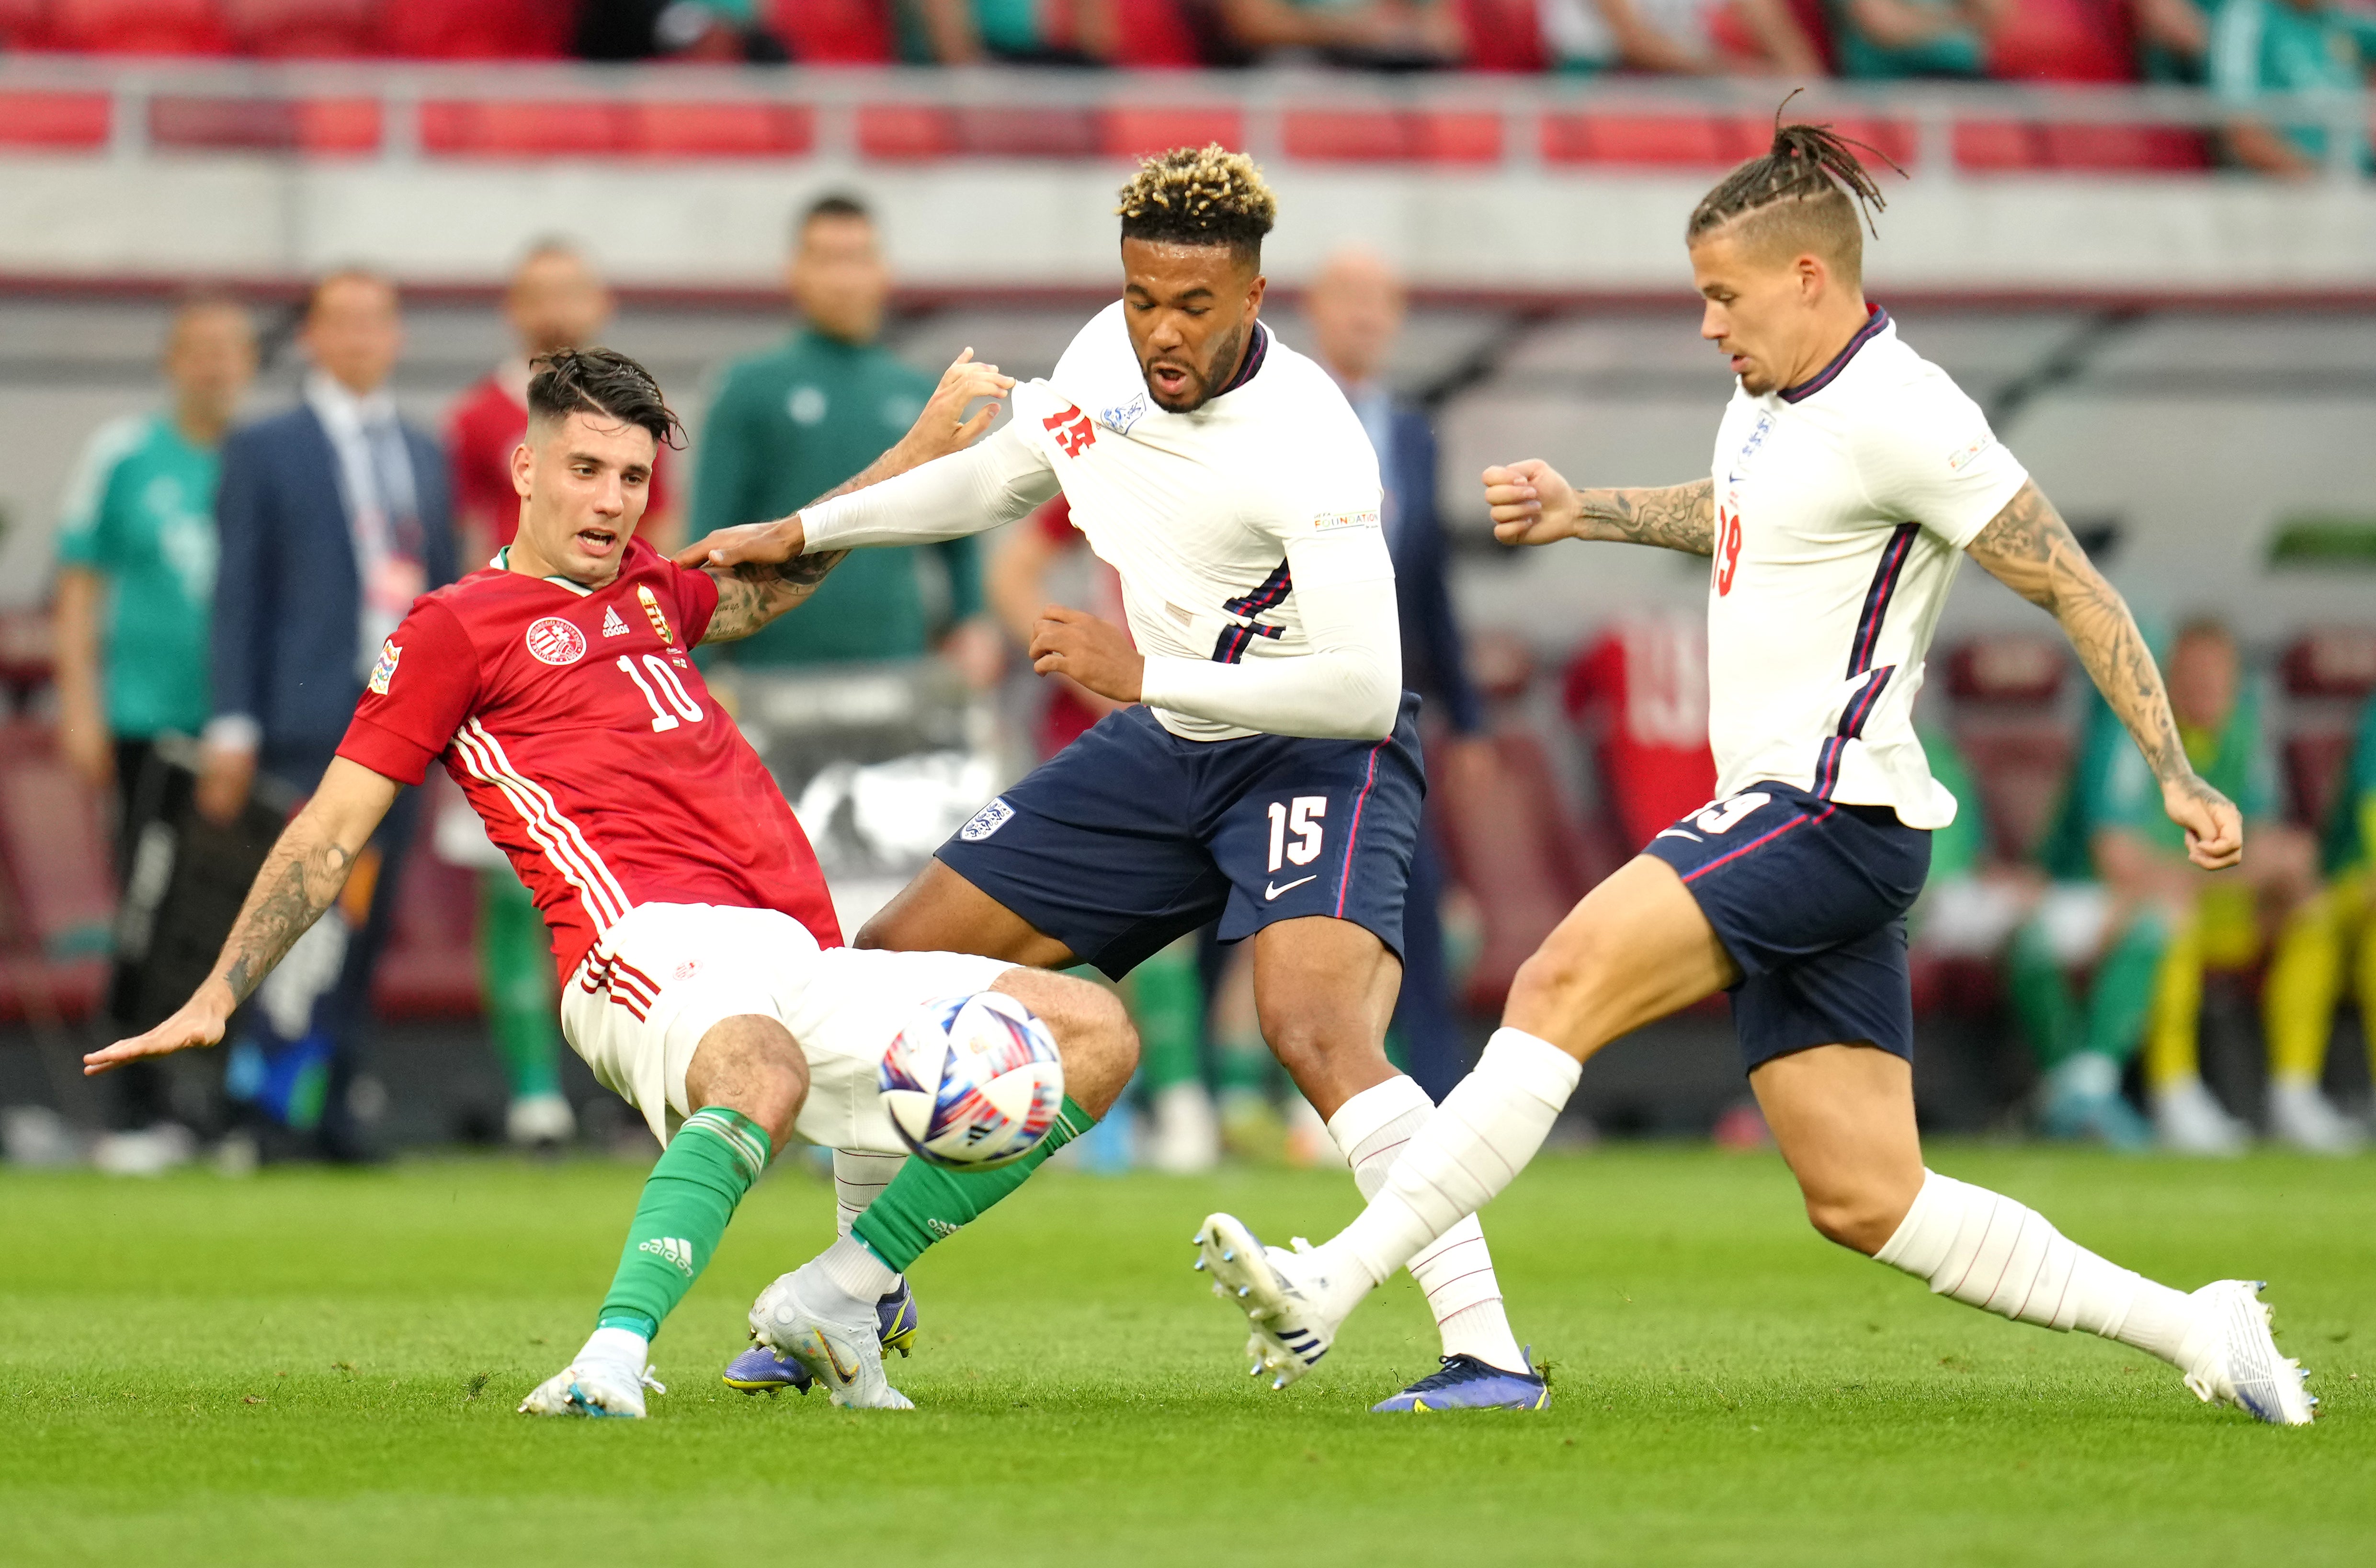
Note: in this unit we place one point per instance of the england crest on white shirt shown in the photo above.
(1122, 416)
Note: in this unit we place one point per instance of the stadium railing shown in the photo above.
(134, 109)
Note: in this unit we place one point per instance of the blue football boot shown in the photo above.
(1464, 1383)
(760, 1369)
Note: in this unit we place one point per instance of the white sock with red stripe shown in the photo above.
(1989, 1252)
(858, 1179)
(1456, 1271)
(1476, 1142)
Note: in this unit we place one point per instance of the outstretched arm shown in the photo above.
(1533, 505)
(2028, 548)
(758, 566)
(301, 878)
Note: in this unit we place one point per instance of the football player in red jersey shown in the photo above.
(703, 973)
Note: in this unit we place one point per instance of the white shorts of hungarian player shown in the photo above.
(667, 974)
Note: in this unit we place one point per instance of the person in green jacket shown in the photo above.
(793, 422)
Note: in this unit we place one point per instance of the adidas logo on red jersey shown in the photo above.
(611, 625)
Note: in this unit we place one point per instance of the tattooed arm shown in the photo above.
(2029, 549)
(1533, 505)
(759, 568)
(301, 878)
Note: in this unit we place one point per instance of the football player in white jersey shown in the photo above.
(1850, 476)
(1266, 766)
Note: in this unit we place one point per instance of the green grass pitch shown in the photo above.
(320, 1367)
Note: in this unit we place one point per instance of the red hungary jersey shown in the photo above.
(590, 745)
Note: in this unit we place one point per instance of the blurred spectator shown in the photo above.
(136, 589)
(555, 301)
(137, 559)
(2301, 47)
(333, 519)
(2173, 38)
(2082, 972)
(1024, 32)
(789, 425)
(1888, 38)
(725, 30)
(2269, 904)
(1356, 306)
(1377, 34)
(1697, 38)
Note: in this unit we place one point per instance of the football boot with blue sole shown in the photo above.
(760, 1369)
(1464, 1383)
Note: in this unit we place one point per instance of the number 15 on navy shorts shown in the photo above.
(1131, 837)
(1809, 897)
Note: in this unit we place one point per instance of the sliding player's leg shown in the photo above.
(829, 1314)
(744, 1088)
(1636, 948)
(1843, 1116)
(1325, 991)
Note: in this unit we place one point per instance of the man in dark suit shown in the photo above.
(1356, 307)
(333, 519)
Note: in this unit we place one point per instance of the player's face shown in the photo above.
(1759, 308)
(584, 482)
(557, 303)
(1189, 309)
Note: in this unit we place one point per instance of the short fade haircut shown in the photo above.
(604, 382)
(1806, 193)
(833, 204)
(1206, 196)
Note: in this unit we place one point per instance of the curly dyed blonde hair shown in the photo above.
(1206, 196)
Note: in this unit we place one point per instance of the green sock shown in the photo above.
(516, 969)
(925, 1202)
(2041, 998)
(2123, 993)
(1168, 1004)
(687, 1200)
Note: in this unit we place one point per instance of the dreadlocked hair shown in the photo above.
(1807, 193)
(1199, 196)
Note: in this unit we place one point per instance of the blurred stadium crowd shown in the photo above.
(2244, 50)
(2075, 979)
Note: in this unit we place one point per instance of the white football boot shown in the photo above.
(806, 1316)
(2305, 1119)
(2187, 1118)
(608, 1378)
(2233, 1358)
(1294, 1301)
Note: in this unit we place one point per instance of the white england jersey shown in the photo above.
(1196, 512)
(1843, 506)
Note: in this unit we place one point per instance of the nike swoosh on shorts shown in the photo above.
(1269, 892)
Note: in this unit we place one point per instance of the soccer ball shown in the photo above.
(973, 1081)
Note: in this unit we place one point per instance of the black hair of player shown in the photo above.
(604, 382)
(833, 205)
(1809, 190)
(1206, 196)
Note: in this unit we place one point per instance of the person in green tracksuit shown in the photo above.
(791, 424)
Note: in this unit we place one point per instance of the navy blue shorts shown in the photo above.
(1809, 898)
(1131, 836)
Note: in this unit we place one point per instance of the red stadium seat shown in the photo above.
(2334, 661)
(897, 133)
(1504, 35)
(2061, 40)
(1155, 35)
(834, 33)
(720, 130)
(304, 29)
(2126, 150)
(139, 27)
(1054, 132)
(2328, 676)
(1354, 136)
(530, 128)
(55, 120)
(52, 847)
(1449, 137)
(1653, 140)
(430, 967)
(24, 24)
(1135, 132)
(326, 126)
(1997, 146)
(480, 30)
(2012, 734)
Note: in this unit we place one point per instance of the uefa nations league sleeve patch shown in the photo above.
(987, 820)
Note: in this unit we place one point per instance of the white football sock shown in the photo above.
(856, 1272)
(1989, 1252)
(858, 1179)
(622, 1352)
(1480, 1137)
(1456, 1273)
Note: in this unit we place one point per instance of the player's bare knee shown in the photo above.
(1558, 977)
(1861, 1220)
(750, 1064)
(1094, 1034)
